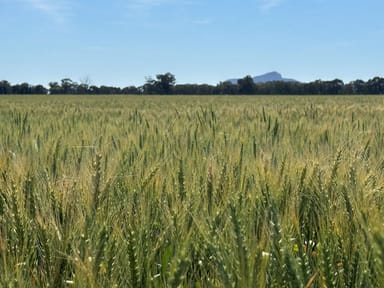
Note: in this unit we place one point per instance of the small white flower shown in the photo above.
(265, 254)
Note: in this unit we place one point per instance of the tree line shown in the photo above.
(165, 84)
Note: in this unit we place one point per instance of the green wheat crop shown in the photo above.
(113, 191)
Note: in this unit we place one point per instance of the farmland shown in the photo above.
(168, 191)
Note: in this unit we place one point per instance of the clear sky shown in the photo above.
(120, 42)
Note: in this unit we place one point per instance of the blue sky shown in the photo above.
(120, 42)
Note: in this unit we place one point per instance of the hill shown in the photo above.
(267, 77)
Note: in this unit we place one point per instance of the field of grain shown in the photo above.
(100, 191)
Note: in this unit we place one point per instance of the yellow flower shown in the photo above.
(296, 248)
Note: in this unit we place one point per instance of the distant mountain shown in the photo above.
(267, 77)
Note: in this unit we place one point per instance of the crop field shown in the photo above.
(117, 191)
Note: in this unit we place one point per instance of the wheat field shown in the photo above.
(117, 191)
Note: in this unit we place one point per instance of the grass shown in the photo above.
(191, 191)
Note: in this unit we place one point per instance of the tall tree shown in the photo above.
(54, 88)
(246, 85)
(165, 83)
(68, 86)
(376, 85)
(5, 87)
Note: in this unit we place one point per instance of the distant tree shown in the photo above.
(109, 90)
(54, 88)
(313, 88)
(355, 87)
(130, 90)
(94, 90)
(227, 88)
(185, 89)
(205, 89)
(23, 88)
(68, 86)
(246, 86)
(82, 89)
(333, 87)
(84, 86)
(39, 89)
(358, 87)
(163, 84)
(149, 87)
(5, 87)
(375, 85)
(166, 84)
(273, 87)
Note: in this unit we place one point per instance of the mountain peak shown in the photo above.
(267, 77)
